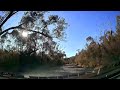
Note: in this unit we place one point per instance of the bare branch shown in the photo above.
(23, 28)
(10, 29)
(41, 33)
(10, 14)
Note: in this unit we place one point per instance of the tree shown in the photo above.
(40, 39)
(34, 22)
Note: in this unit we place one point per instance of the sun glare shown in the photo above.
(24, 34)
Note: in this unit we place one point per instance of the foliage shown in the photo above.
(39, 46)
(104, 53)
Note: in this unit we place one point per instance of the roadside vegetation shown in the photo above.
(103, 54)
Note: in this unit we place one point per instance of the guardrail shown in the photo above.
(68, 76)
(10, 75)
(109, 75)
(114, 77)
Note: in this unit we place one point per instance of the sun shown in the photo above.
(24, 34)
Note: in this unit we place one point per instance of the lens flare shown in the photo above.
(24, 34)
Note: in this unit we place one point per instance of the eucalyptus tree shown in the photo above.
(40, 36)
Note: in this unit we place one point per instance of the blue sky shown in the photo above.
(82, 24)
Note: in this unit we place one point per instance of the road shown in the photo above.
(49, 71)
(67, 71)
